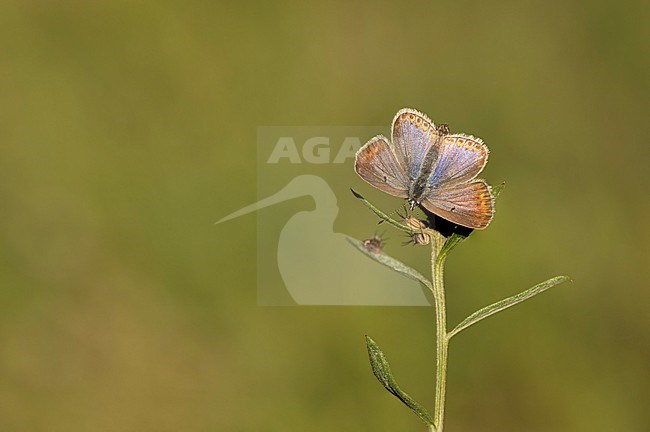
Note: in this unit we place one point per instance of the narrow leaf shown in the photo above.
(381, 214)
(391, 262)
(381, 369)
(506, 303)
(454, 240)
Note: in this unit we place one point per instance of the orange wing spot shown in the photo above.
(418, 121)
(425, 126)
(482, 202)
(459, 143)
(370, 151)
(467, 145)
(411, 118)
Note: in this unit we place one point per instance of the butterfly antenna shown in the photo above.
(396, 211)
(403, 216)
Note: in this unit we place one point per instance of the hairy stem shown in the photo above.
(442, 342)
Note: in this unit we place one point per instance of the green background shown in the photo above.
(128, 127)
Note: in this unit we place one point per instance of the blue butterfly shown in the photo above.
(430, 167)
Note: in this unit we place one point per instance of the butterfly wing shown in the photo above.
(413, 134)
(377, 164)
(460, 159)
(467, 204)
(452, 192)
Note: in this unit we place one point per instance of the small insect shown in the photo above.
(374, 244)
(430, 168)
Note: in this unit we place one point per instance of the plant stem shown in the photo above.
(442, 342)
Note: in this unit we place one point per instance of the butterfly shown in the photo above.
(431, 168)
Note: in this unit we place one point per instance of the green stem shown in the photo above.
(442, 342)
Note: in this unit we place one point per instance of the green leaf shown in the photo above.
(454, 240)
(381, 214)
(391, 262)
(381, 369)
(506, 303)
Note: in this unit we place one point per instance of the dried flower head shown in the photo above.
(419, 237)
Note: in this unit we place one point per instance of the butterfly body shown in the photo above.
(419, 186)
(429, 167)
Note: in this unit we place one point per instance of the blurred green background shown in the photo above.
(127, 128)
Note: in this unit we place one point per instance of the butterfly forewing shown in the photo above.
(377, 164)
(413, 135)
(466, 204)
(460, 159)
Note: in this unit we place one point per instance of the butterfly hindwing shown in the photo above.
(413, 134)
(377, 164)
(467, 204)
